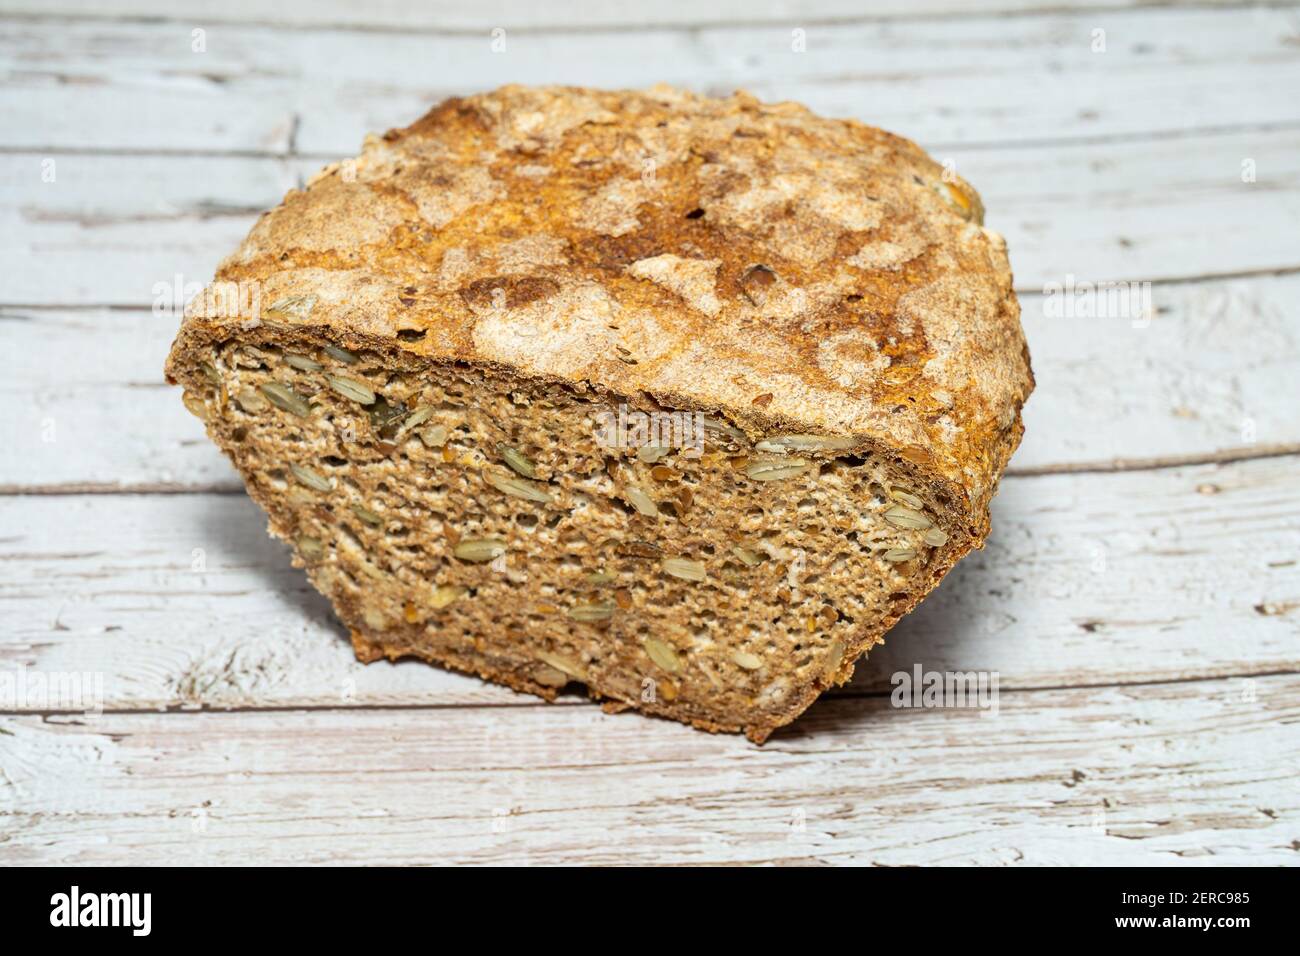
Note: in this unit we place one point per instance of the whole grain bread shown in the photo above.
(417, 363)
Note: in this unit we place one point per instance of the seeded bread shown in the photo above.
(434, 364)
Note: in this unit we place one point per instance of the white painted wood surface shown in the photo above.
(1139, 598)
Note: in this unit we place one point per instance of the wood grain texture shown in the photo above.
(1203, 377)
(943, 81)
(1168, 774)
(182, 600)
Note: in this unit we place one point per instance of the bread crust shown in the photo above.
(783, 271)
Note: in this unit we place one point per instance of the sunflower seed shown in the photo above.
(784, 443)
(310, 478)
(642, 502)
(284, 397)
(902, 517)
(518, 488)
(834, 659)
(685, 569)
(639, 549)
(563, 664)
(750, 662)
(649, 454)
(747, 557)
(599, 578)
(755, 282)
(343, 355)
(302, 362)
(898, 555)
(435, 436)
(250, 400)
(479, 549)
(714, 425)
(210, 372)
(599, 611)
(446, 594)
(293, 306)
(662, 654)
(517, 460)
(776, 469)
(351, 388)
(368, 516)
(416, 418)
(195, 405)
(907, 498)
(310, 547)
(935, 538)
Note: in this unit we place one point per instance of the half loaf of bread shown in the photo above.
(686, 400)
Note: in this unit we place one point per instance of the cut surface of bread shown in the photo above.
(685, 400)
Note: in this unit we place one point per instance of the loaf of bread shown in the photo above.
(686, 400)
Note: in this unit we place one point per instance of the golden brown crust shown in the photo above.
(569, 233)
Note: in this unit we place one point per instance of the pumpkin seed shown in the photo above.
(517, 460)
(480, 549)
(282, 396)
(350, 388)
(642, 502)
(599, 611)
(343, 355)
(898, 555)
(662, 654)
(784, 443)
(750, 662)
(685, 569)
(368, 516)
(446, 594)
(903, 517)
(936, 538)
(776, 469)
(563, 664)
(302, 363)
(310, 478)
(518, 488)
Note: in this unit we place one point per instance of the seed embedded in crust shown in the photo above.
(517, 460)
(417, 418)
(310, 548)
(359, 392)
(903, 517)
(756, 282)
(898, 555)
(564, 664)
(250, 400)
(685, 569)
(936, 538)
(781, 444)
(311, 478)
(518, 488)
(642, 502)
(747, 556)
(210, 372)
(302, 363)
(907, 498)
(282, 396)
(368, 516)
(649, 454)
(446, 594)
(662, 654)
(599, 611)
(834, 660)
(750, 662)
(292, 306)
(435, 436)
(343, 355)
(480, 549)
(195, 406)
(776, 469)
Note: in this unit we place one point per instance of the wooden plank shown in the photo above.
(1099, 212)
(1187, 774)
(1203, 378)
(182, 601)
(404, 16)
(942, 81)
